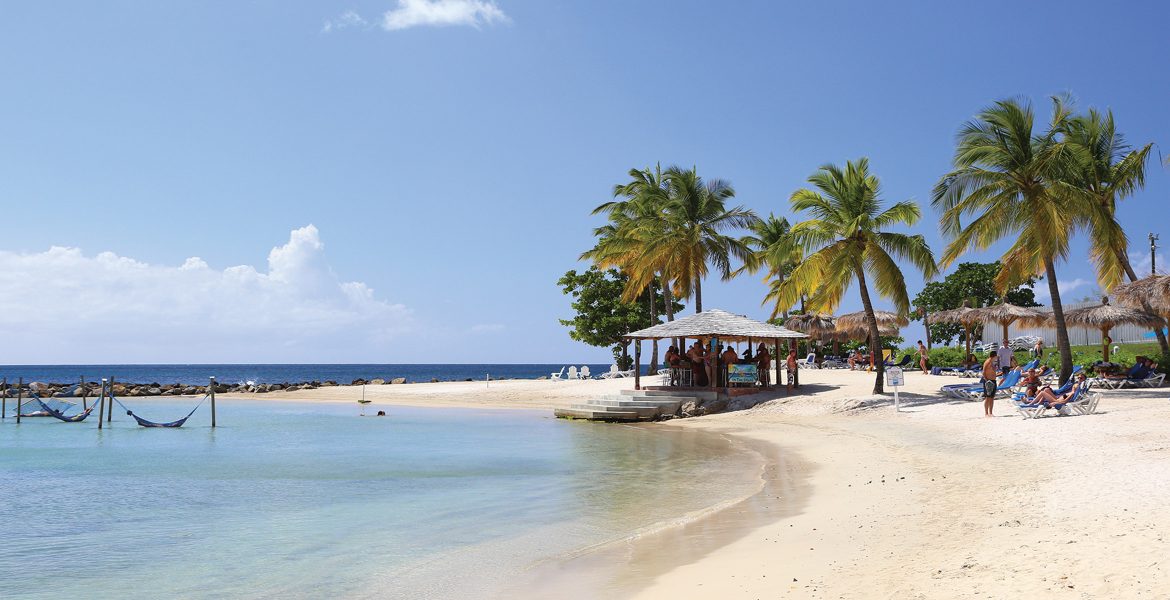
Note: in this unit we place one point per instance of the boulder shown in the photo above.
(154, 390)
(434, 380)
(292, 388)
(377, 381)
(329, 383)
(358, 382)
(398, 380)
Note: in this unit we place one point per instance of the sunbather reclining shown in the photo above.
(1048, 398)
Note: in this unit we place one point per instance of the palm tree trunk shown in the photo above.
(698, 294)
(1058, 316)
(875, 340)
(1133, 277)
(653, 322)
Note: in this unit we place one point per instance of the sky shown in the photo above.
(403, 181)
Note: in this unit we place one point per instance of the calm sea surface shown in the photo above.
(198, 374)
(290, 500)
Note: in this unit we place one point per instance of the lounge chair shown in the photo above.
(1011, 380)
(584, 372)
(810, 361)
(611, 373)
(557, 376)
(1083, 402)
(902, 363)
(1138, 375)
(572, 373)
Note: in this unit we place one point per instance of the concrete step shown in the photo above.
(594, 415)
(642, 411)
(637, 402)
(685, 394)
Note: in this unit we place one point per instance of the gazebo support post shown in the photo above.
(776, 361)
(637, 364)
(1105, 344)
(718, 359)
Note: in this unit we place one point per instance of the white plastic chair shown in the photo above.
(613, 372)
(572, 373)
(584, 372)
(557, 376)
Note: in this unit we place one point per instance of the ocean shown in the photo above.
(230, 374)
(300, 500)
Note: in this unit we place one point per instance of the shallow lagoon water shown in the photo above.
(312, 500)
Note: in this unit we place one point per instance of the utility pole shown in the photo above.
(1153, 248)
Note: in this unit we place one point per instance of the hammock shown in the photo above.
(53, 412)
(145, 423)
(35, 406)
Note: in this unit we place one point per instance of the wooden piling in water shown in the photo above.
(19, 396)
(84, 393)
(212, 388)
(4, 400)
(102, 404)
(110, 408)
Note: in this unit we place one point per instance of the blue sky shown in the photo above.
(447, 154)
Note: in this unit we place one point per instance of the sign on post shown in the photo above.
(894, 380)
(742, 374)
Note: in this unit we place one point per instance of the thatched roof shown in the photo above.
(715, 323)
(1007, 313)
(1104, 316)
(1152, 292)
(812, 323)
(1108, 316)
(857, 322)
(964, 315)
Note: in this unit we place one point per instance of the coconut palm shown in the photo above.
(1105, 169)
(846, 241)
(773, 248)
(1004, 180)
(694, 233)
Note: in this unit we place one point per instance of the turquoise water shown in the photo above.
(308, 501)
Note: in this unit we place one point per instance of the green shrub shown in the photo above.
(946, 356)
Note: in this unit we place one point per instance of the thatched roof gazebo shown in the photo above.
(1106, 316)
(814, 324)
(964, 315)
(713, 324)
(1006, 313)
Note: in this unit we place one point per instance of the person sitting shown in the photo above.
(1031, 383)
(1139, 370)
(1050, 399)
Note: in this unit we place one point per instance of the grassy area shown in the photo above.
(1082, 355)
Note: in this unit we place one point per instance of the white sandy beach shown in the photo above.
(932, 502)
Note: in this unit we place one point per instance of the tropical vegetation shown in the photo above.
(971, 283)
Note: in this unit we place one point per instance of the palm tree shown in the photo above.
(1104, 169)
(845, 240)
(772, 247)
(1004, 179)
(635, 212)
(693, 233)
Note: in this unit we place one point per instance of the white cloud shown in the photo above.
(1065, 286)
(346, 19)
(1140, 261)
(61, 306)
(438, 13)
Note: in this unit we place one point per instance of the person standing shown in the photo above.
(922, 356)
(764, 365)
(1038, 349)
(1005, 357)
(793, 378)
(989, 384)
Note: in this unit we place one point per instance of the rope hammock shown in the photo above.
(59, 414)
(35, 406)
(145, 423)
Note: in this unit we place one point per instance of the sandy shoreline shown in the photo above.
(932, 502)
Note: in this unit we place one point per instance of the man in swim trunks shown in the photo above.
(989, 383)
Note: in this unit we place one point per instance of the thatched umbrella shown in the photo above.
(1151, 292)
(858, 322)
(1106, 316)
(811, 323)
(964, 315)
(1006, 313)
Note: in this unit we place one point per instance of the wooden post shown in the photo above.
(715, 371)
(4, 400)
(110, 408)
(637, 365)
(84, 391)
(212, 388)
(776, 360)
(19, 397)
(102, 404)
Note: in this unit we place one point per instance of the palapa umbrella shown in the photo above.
(857, 322)
(1147, 293)
(1106, 316)
(964, 315)
(1006, 313)
(811, 323)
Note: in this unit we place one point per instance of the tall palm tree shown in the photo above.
(636, 211)
(1004, 179)
(846, 241)
(1104, 169)
(773, 248)
(695, 232)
